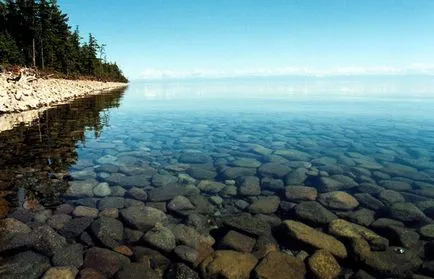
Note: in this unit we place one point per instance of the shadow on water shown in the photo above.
(35, 159)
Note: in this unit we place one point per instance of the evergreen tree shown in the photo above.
(36, 33)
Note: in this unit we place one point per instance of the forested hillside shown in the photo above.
(36, 33)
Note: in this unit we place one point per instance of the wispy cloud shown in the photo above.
(414, 69)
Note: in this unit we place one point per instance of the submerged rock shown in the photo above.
(390, 197)
(58, 221)
(427, 231)
(161, 238)
(138, 194)
(160, 180)
(181, 271)
(390, 263)
(228, 264)
(102, 190)
(137, 271)
(272, 184)
(235, 172)
(314, 213)
(108, 231)
(181, 205)
(28, 265)
(278, 265)
(249, 186)
(361, 216)
(323, 265)
(166, 193)
(406, 212)
(382, 223)
(368, 201)
(84, 211)
(80, 189)
(292, 154)
(338, 200)
(327, 184)
(187, 254)
(201, 173)
(315, 238)
(396, 185)
(47, 241)
(110, 212)
(111, 202)
(104, 261)
(151, 257)
(24, 215)
(404, 237)
(300, 193)
(189, 236)
(273, 170)
(264, 205)
(90, 273)
(11, 225)
(71, 255)
(211, 187)
(237, 241)
(246, 163)
(4, 208)
(345, 229)
(143, 218)
(194, 158)
(64, 272)
(296, 177)
(247, 223)
(76, 226)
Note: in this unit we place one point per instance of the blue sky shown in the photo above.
(183, 38)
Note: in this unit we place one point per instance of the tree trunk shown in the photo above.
(42, 55)
(34, 52)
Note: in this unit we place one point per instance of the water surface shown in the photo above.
(372, 139)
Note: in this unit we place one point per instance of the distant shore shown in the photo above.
(30, 94)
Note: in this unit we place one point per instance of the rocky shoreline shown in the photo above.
(28, 94)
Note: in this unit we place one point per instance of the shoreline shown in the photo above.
(24, 95)
(22, 102)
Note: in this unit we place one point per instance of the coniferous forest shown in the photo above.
(35, 33)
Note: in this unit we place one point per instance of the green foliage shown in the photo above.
(9, 51)
(36, 33)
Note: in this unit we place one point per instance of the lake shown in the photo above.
(179, 175)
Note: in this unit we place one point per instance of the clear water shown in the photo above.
(376, 133)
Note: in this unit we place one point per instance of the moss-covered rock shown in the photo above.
(323, 265)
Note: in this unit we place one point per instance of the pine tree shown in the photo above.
(36, 33)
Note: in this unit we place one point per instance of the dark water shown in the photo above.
(226, 162)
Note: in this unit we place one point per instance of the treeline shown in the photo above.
(36, 33)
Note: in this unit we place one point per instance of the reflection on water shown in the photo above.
(165, 173)
(413, 87)
(32, 155)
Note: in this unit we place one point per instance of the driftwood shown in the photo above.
(22, 75)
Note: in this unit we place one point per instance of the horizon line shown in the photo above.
(166, 74)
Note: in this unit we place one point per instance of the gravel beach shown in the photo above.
(24, 95)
